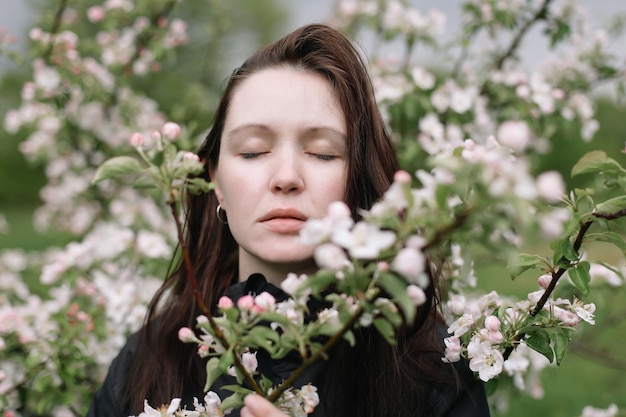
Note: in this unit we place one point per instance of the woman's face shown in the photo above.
(282, 161)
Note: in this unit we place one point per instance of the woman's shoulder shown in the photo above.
(109, 400)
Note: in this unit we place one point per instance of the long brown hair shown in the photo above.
(164, 367)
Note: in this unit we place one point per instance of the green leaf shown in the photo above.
(523, 262)
(564, 252)
(560, 340)
(396, 288)
(144, 183)
(238, 389)
(609, 237)
(595, 161)
(613, 205)
(213, 371)
(116, 167)
(580, 276)
(540, 342)
(349, 336)
(199, 185)
(233, 401)
(386, 330)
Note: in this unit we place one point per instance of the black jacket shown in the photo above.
(448, 401)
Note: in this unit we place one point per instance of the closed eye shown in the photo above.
(324, 157)
(250, 155)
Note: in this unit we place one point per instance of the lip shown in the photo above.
(283, 220)
(283, 213)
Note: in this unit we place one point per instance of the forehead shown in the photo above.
(285, 97)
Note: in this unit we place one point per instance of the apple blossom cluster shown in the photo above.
(64, 312)
(466, 99)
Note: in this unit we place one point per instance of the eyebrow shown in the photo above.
(265, 128)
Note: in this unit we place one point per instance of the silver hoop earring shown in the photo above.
(219, 215)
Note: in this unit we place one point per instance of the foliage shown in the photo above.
(96, 98)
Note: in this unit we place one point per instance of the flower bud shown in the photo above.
(96, 14)
(544, 281)
(186, 335)
(171, 130)
(225, 302)
(265, 301)
(136, 140)
(402, 177)
(492, 323)
(246, 302)
(249, 361)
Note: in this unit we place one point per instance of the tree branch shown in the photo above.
(56, 24)
(201, 304)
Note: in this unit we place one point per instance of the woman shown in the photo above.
(296, 129)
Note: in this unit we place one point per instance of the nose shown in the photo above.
(287, 176)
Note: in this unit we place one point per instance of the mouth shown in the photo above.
(283, 221)
(283, 213)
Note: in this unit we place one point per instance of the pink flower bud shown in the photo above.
(225, 302)
(544, 281)
(416, 294)
(550, 186)
(155, 136)
(265, 301)
(186, 335)
(382, 266)
(249, 361)
(203, 351)
(96, 14)
(492, 323)
(136, 140)
(171, 130)
(402, 177)
(514, 134)
(246, 302)
(190, 156)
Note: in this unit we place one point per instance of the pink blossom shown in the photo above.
(416, 294)
(382, 266)
(136, 140)
(567, 317)
(514, 134)
(364, 241)
(330, 256)
(224, 302)
(186, 335)
(550, 186)
(410, 263)
(171, 130)
(492, 323)
(190, 156)
(96, 14)
(402, 177)
(249, 361)
(486, 360)
(246, 302)
(265, 301)
(453, 349)
(544, 281)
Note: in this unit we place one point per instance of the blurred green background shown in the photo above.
(592, 372)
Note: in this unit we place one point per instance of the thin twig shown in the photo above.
(145, 37)
(56, 24)
(540, 14)
(517, 39)
(205, 310)
(314, 358)
(559, 273)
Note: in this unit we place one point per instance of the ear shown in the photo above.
(217, 190)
